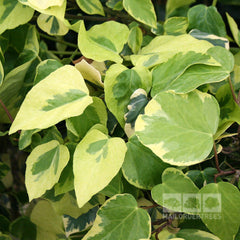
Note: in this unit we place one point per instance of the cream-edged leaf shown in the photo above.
(44, 167)
(97, 159)
(91, 6)
(60, 95)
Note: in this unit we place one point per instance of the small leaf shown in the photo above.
(1, 73)
(135, 39)
(115, 4)
(26, 138)
(104, 41)
(179, 128)
(234, 29)
(142, 10)
(175, 26)
(61, 95)
(206, 19)
(175, 4)
(52, 25)
(91, 6)
(44, 166)
(177, 192)
(96, 161)
(120, 83)
(217, 201)
(141, 167)
(13, 14)
(120, 214)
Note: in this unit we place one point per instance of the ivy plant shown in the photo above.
(119, 120)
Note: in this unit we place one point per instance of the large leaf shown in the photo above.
(97, 159)
(52, 25)
(220, 210)
(161, 48)
(61, 95)
(177, 192)
(95, 113)
(206, 19)
(141, 10)
(179, 128)
(117, 218)
(13, 14)
(49, 224)
(185, 72)
(44, 166)
(120, 83)
(44, 4)
(14, 86)
(104, 41)
(141, 167)
(91, 6)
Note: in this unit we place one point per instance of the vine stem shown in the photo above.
(6, 111)
(214, 3)
(65, 52)
(88, 18)
(237, 100)
(58, 40)
(216, 157)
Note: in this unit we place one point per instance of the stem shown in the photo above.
(88, 18)
(216, 157)
(214, 3)
(58, 40)
(149, 207)
(222, 174)
(64, 52)
(6, 111)
(232, 90)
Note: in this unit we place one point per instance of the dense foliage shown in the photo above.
(119, 120)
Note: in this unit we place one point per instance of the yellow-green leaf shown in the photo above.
(60, 95)
(97, 159)
(44, 167)
(91, 6)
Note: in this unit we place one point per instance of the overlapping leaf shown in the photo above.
(175, 4)
(179, 128)
(13, 14)
(61, 95)
(44, 166)
(104, 41)
(91, 6)
(97, 159)
(120, 83)
(117, 218)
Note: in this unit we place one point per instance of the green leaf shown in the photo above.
(161, 48)
(26, 138)
(116, 5)
(179, 128)
(137, 103)
(177, 192)
(194, 234)
(52, 25)
(175, 4)
(97, 159)
(120, 83)
(185, 72)
(13, 14)
(4, 169)
(5, 237)
(56, 8)
(141, 167)
(197, 177)
(91, 6)
(175, 26)
(22, 228)
(117, 218)
(206, 19)
(142, 10)
(44, 166)
(49, 224)
(95, 113)
(234, 29)
(221, 204)
(135, 39)
(44, 68)
(104, 41)
(60, 95)
(213, 39)
(13, 88)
